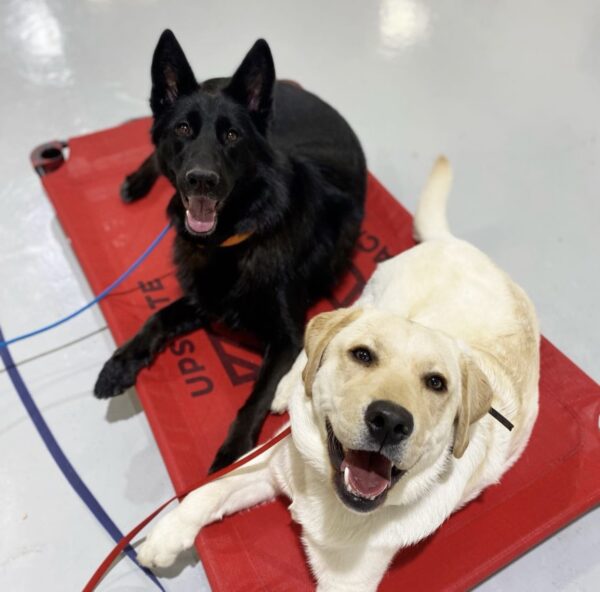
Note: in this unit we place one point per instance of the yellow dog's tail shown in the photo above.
(430, 220)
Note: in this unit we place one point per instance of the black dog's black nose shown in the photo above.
(387, 422)
(201, 180)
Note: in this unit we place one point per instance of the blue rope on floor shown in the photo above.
(63, 463)
(97, 299)
(42, 427)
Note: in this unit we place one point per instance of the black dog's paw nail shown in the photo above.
(135, 187)
(115, 378)
(131, 191)
(125, 192)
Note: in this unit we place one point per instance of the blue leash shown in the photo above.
(97, 299)
(42, 427)
(67, 469)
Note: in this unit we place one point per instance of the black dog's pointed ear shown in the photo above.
(252, 84)
(171, 73)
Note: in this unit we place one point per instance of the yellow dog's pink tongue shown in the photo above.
(202, 214)
(367, 473)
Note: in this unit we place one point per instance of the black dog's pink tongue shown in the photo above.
(368, 473)
(202, 214)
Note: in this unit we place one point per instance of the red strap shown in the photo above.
(110, 558)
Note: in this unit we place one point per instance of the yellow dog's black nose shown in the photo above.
(388, 423)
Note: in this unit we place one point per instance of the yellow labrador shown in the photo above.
(389, 407)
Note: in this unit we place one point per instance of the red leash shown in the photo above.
(110, 558)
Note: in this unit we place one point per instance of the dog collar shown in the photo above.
(236, 239)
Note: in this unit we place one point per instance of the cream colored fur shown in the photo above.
(442, 306)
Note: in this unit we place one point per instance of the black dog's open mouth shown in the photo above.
(361, 478)
(200, 214)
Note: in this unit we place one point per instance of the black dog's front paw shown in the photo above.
(136, 186)
(117, 375)
(230, 452)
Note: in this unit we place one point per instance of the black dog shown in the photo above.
(270, 187)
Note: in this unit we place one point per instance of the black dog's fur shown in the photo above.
(279, 163)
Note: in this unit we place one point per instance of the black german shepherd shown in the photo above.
(270, 186)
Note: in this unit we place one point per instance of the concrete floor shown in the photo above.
(510, 91)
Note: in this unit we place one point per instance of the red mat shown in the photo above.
(192, 392)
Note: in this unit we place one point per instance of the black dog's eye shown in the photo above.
(183, 129)
(231, 135)
(435, 382)
(362, 355)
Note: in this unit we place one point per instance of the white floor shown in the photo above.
(510, 91)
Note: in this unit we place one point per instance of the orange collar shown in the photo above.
(236, 239)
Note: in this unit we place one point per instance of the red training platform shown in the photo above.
(192, 392)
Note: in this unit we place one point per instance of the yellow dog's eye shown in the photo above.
(362, 355)
(435, 382)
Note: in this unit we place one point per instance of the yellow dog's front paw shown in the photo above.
(169, 538)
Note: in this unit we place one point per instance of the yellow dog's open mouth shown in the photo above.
(361, 478)
(367, 474)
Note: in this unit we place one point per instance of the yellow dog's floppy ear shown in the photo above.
(476, 400)
(319, 332)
